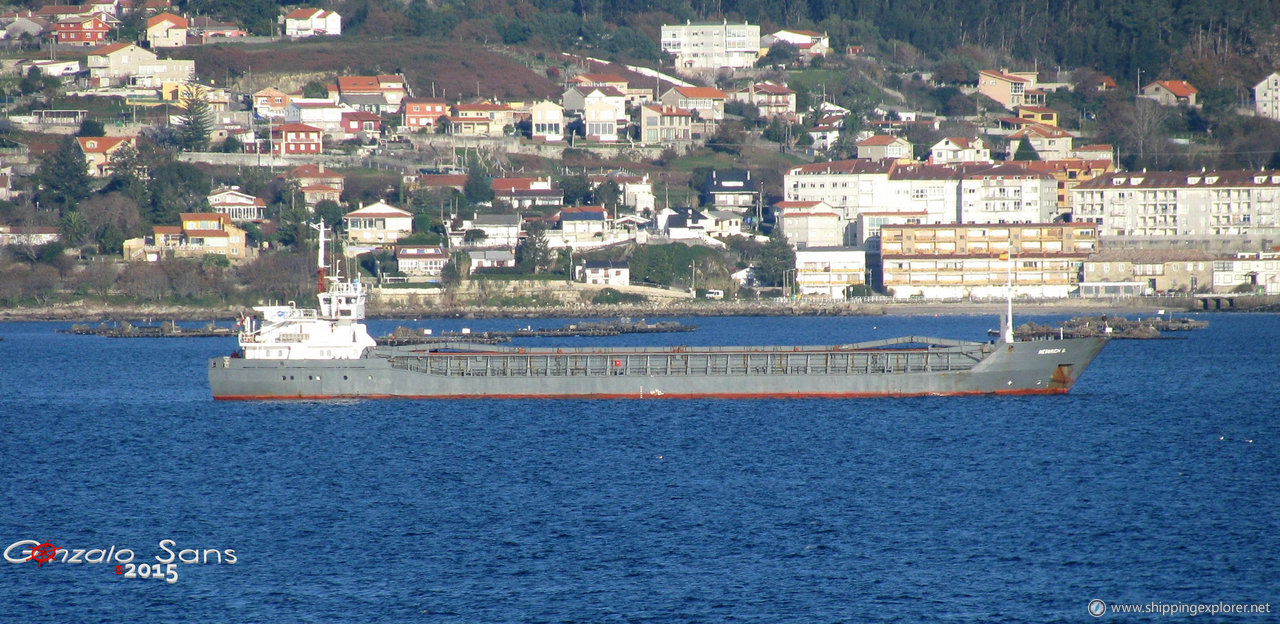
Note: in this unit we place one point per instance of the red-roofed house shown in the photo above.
(54, 12)
(772, 100)
(126, 63)
(200, 234)
(207, 28)
(81, 30)
(296, 138)
(99, 151)
(378, 223)
(357, 123)
(1050, 143)
(708, 102)
(1172, 93)
(1006, 87)
(809, 43)
(417, 113)
(317, 183)
(166, 30)
(665, 124)
(311, 23)
(271, 103)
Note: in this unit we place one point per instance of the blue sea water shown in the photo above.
(1154, 480)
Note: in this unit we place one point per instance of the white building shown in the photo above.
(421, 260)
(1007, 194)
(1258, 271)
(805, 229)
(236, 205)
(311, 23)
(1266, 97)
(1222, 210)
(959, 150)
(712, 45)
(833, 272)
(605, 273)
(377, 224)
(546, 121)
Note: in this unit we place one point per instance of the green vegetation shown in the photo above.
(610, 296)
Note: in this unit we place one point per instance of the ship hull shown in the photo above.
(1035, 367)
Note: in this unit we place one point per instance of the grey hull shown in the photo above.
(1035, 367)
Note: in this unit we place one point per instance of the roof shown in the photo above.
(1036, 109)
(1001, 75)
(670, 111)
(102, 144)
(807, 215)
(443, 179)
(361, 116)
(313, 171)
(177, 21)
(598, 78)
(605, 264)
(880, 140)
(796, 204)
(301, 14)
(110, 49)
(701, 92)
(1183, 179)
(496, 220)
(1179, 88)
(1048, 132)
(769, 87)
(358, 83)
(207, 233)
(420, 250)
(1148, 256)
(856, 165)
(379, 209)
(167, 229)
(294, 127)
(584, 213)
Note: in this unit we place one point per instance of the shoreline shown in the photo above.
(82, 312)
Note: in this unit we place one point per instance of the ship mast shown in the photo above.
(320, 263)
(1008, 313)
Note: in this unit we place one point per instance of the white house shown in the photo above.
(833, 272)
(1266, 96)
(959, 150)
(546, 121)
(421, 260)
(311, 23)
(236, 205)
(378, 223)
(605, 273)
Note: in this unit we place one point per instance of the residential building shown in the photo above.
(483, 119)
(1070, 172)
(166, 30)
(1257, 272)
(15, 27)
(636, 190)
(1049, 142)
(1006, 87)
(207, 29)
(580, 224)
(770, 99)
(724, 223)
(1042, 260)
(311, 23)
(810, 44)
(236, 205)
(665, 124)
(635, 95)
(378, 223)
(706, 102)
(712, 45)
(419, 113)
(99, 152)
(492, 258)
(1266, 97)
(1172, 93)
(1158, 270)
(317, 183)
(732, 190)
(1094, 152)
(1038, 114)
(318, 112)
(361, 124)
(421, 260)
(521, 193)
(1212, 210)
(381, 94)
(869, 224)
(682, 223)
(296, 138)
(811, 229)
(127, 64)
(200, 234)
(575, 99)
(81, 30)
(605, 273)
(959, 150)
(1007, 194)
(831, 272)
(546, 121)
(500, 231)
(271, 103)
(601, 121)
(885, 147)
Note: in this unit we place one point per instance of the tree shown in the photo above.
(1026, 151)
(478, 188)
(32, 82)
(91, 127)
(577, 190)
(532, 252)
(474, 236)
(75, 228)
(780, 53)
(176, 187)
(126, 175)
(111, 216)
(776, 258)
(331, 211)
(64, 174)
(315, 89)
(193, 131)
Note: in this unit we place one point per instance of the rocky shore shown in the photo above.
(93, 312)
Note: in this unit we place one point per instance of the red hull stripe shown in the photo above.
(636, 395)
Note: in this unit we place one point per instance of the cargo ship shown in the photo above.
(327, 353)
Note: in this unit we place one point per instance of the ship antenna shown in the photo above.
(1008, 313)
(320, 263)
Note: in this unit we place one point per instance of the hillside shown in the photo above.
(454, 68)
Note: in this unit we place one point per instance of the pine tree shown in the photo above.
(193, 132)
(64, 174)
(1026, 151)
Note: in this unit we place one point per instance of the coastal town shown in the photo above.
(139, 164)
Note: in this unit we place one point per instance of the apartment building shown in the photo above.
(712, 45)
